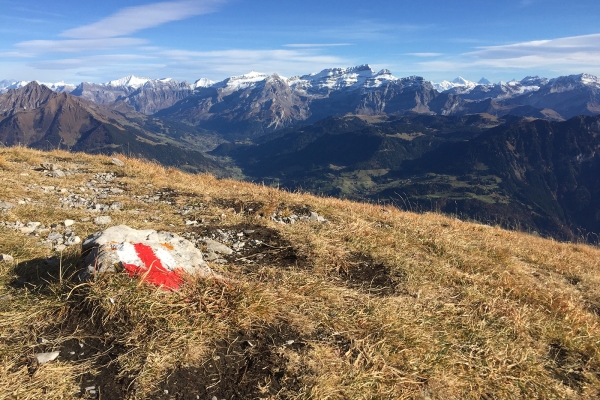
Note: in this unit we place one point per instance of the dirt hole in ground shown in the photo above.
(567, 366)
(250, 365)
(362, 272)
(261, 245)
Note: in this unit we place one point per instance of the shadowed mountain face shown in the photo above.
(37, 117)
(147, 98)
(522, 173)
(273, 103)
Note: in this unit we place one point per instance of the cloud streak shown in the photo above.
(133, 19)
(568, 53)
(76, 45)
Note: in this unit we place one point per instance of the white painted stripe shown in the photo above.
(127, 254)
(165, 258)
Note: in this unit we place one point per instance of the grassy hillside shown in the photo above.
(373, 304)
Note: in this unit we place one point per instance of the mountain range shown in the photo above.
(519, 153)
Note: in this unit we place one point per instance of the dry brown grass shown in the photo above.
(472, 311)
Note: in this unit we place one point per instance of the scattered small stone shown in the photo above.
(68, 222)
(43, 358)
(116, 206)
(60, 247)
(55, 236)
(56, 174)
(5, 205)
(103, 220)
(73, 240)
(217, 247)
(85, 219)
(50, 166)
(118, 162)
(42, 340)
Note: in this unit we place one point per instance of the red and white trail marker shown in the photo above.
(159, 258)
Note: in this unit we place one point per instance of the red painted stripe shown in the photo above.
(154, 273)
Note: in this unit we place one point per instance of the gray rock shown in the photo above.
(55, 236)
(56, 174)
(43, 358)
(116, 205)
(103, 220)
(50, 166)
(26, 230)
(118, 247)
(6, 258)
(68, 222)
(216, 247)
(5, 205)
(60, 247)
(118, 162)
(73, 240)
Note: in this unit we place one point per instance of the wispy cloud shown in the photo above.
(230, 62)
(575, 53)
(424, 54)
(316, 45)
(133, 19)
(185, 64)
(76, 45)
(365, 30)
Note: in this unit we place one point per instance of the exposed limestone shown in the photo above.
(159, 257)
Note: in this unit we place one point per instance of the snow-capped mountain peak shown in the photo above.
(128, 81)
(484, 81)
(202, 83)
(361, 76)
(60, 87)
(462, 81)
(242, 81)
(458, 83)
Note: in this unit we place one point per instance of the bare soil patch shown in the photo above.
(365, 274)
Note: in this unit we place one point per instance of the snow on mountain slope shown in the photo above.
(201, 83)
(131, 81)
(59, 87)
(458, 82)
(571, 82)
(331, 79)
(241, 82)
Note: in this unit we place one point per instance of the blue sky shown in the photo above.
(190, 39)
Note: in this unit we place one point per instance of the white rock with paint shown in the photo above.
(159, 258)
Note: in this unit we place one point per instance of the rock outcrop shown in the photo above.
(159, 258)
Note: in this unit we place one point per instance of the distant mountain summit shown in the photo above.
(458, 82)
(8, 84)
